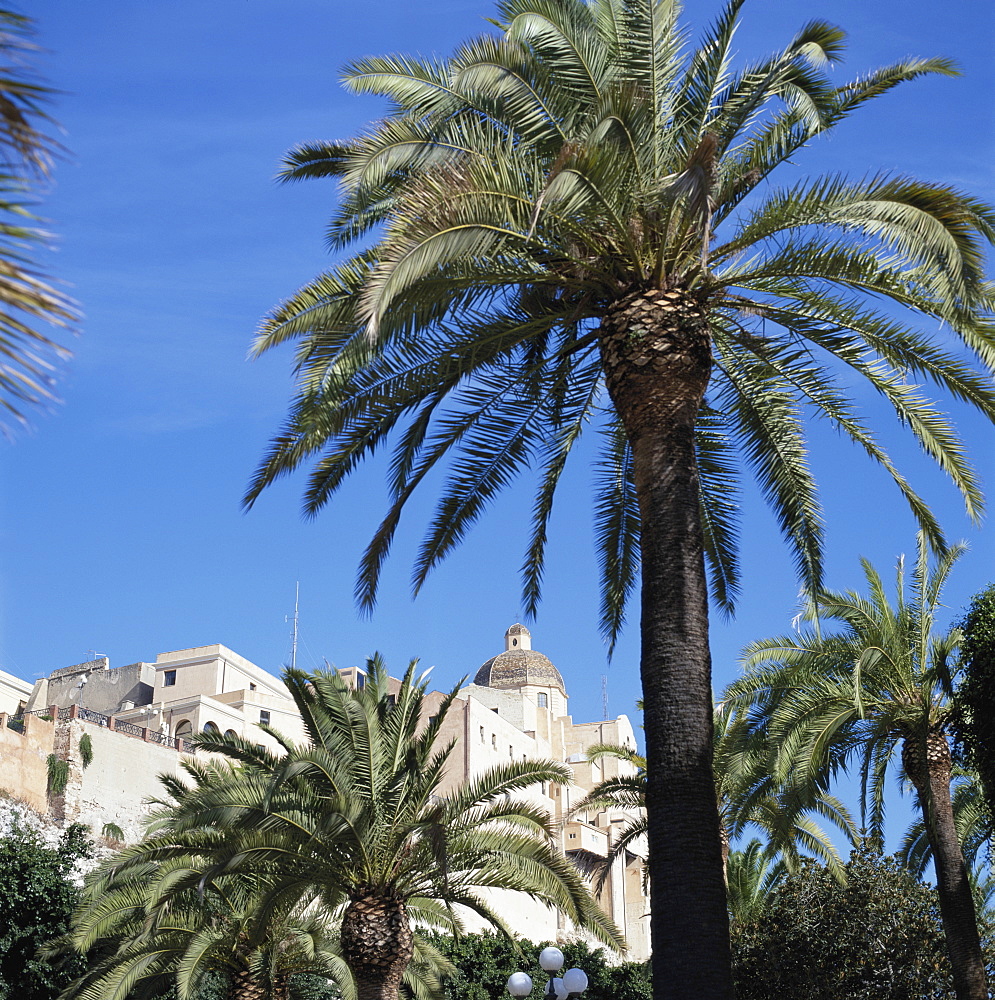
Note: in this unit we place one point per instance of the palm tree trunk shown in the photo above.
(656, 352)
(377, 944)
(243, 985)
(928, 765)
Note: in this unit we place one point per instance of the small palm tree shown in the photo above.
(154, 931)
(880, 683)
(573, 224)
(752, 875)
(354, 818)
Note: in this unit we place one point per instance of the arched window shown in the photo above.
(211, 727)
(230, 732)
(183, 728)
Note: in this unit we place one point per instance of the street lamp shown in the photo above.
(570, 986)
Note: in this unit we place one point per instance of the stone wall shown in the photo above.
(123, 775)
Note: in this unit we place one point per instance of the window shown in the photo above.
(360, 680)
(511, 753)
(495, 711)
(230, 732)
(493, 741)
(264, 717)
(168, 678)
(543, 699)
(431, 719)
(392, 700)
(252, 687)
(573, 836)
(482, 737)
(211, 727)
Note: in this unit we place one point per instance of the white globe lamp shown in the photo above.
(551, 959)
(575, 981)
(519, 984)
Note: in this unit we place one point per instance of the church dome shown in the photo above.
(519, 664)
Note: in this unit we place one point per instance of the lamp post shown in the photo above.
(569, 987)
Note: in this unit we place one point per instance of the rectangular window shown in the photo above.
(543, 700)
(252, 687)
(431, 719)
(493, 742)
(392, 700)
(360, 680)
(264, 716)
(168, 678)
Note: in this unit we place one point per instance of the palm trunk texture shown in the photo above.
(377, 944)
(928, 765)
(243, 985)
(655, 347)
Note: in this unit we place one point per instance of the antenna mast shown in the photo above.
(293, 645)
(604, 696)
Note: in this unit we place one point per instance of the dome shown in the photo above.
(519, 664)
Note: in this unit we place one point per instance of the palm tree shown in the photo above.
(573, 223)
(154, 931)
(882, 681)
(752, 875)
(27, 355)
(355, 817)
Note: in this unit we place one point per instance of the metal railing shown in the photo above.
(129, 729)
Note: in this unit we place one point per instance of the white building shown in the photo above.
(515, 708)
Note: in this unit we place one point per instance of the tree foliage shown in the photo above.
(27, 356)
(975, 697)
(876, 938)
(37, 898)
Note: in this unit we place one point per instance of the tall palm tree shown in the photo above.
(574, 222)
(27, 355)
(880, 683)
(355, 817)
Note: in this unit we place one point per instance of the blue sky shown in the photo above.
(120, 526)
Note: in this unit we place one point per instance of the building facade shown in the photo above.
(139, 714)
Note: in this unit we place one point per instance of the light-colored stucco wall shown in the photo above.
(24, 760)
(123, 775)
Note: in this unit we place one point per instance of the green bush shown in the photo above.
(36, 900)
(878, 938)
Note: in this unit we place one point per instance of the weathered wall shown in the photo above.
(24, 761)
(121, 777)
(105, 691)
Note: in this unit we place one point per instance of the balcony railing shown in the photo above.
(109, 722)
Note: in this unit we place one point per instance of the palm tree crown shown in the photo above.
(882, 682)
(571, 224)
